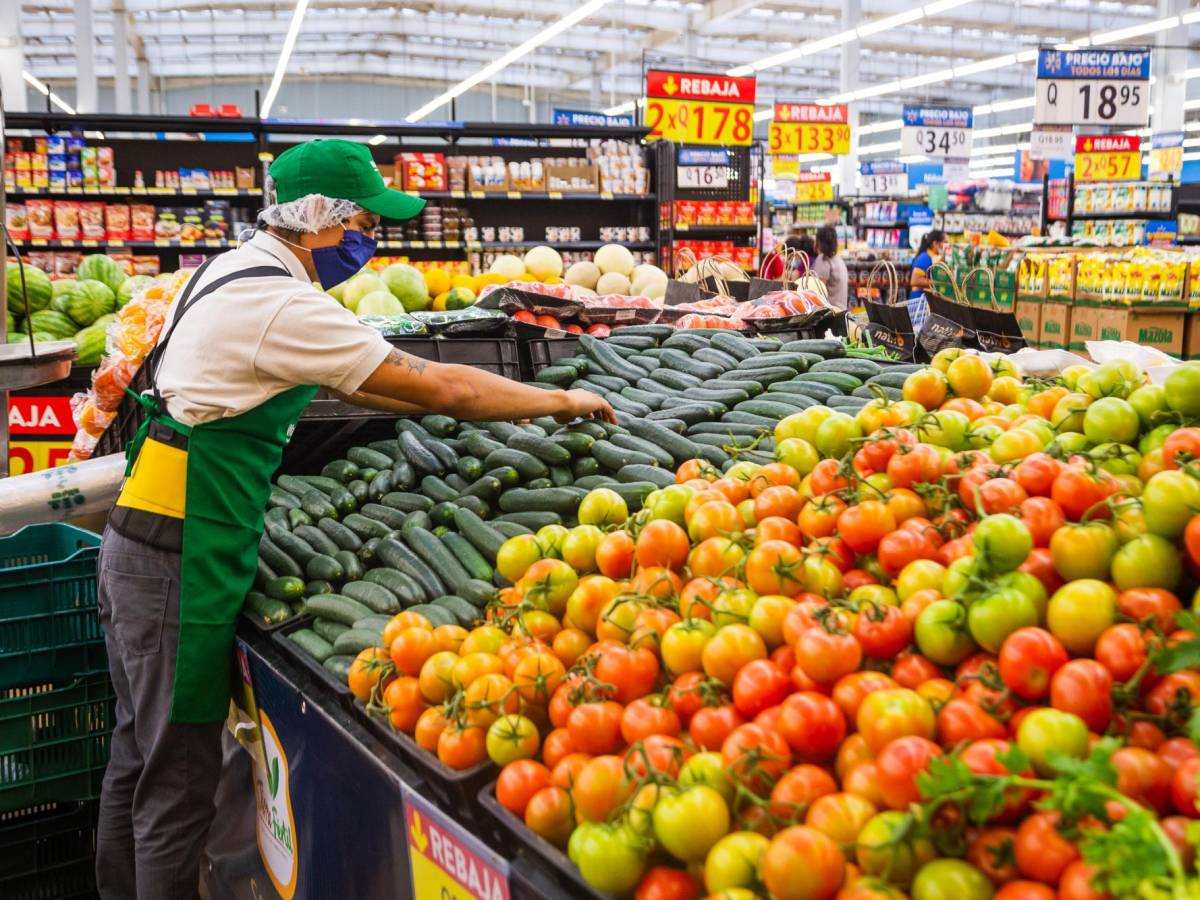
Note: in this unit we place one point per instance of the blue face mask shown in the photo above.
(343, 260)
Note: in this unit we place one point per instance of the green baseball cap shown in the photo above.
(343, 170)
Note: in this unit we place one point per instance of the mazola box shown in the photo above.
(1055, 328)
(1161, 330)
(1029, 318)
(1191, 336)
(1085, 326)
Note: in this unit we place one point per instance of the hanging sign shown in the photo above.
(698, 108)
(42, 431)
(785, 165)
(1052, 142)
(939, 131)
(446, 859)
(1096, 86)
(592, 119)
(1108, 157)
(814, 187)
(1166, 155)
(883, 178)
(810, 128)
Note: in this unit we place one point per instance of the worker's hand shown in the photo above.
(585, 405)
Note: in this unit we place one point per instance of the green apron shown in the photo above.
(229, 467)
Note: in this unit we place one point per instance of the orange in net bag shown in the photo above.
(87, 417)
(140, 322)
(112, 376)
(82, 447)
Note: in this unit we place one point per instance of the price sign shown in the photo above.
(1166, 155)
(810, 128)
(1054, 142)
(446, 860)
(702, 177)
(938, 131)
(1109, 157)
(883, 178)
(1096, 86)
(696, 108)
(814, 187)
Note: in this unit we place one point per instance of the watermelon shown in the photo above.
(104, 321)
(90, 344)
(88, 300)
(22, 326)
(15, 337)
(9, 321)
(38, 288)
(43, 337)
(60, 286)
(53, 323)
(407, 285)
(131, 287)
(105, 269)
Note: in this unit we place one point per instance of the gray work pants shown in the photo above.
(157, 799)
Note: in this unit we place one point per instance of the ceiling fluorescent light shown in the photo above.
(806, 49)
(1124, 34)
(285, 54)
(985, 65)
(546, 34)
(889, 22)
(1186, 75)
(620, 108)
(1189, 17)
(377, 140)
(1027, 56)
(941, 6)
(872, 149)
(928, 78)
(41, 87)
(1005, 106)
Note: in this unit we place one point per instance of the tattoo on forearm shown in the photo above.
(413, 364)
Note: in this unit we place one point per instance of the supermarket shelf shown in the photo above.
(527, 195)
(136, 192)
(717, 229)
(1188, 239)
(895, 223)
(500, 245)
(39, 244)
(1160, 214)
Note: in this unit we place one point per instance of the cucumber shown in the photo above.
(367, 552)
(329, 629)
(436, 615)
(341, 536)
(614, 457)
(312, 644)
(649, 399)
(366, 527)
(608, 360)
(889, 378)
(392, 518)
(336, 608)
(403, 476)
(417, 519)
(381, 484)
(389, 448)
(715, 408)
(464, 613)
(528, 465)
(268, 609)
(852, 404)
(765, 375)
(279, 517)
(679, 447)
(282, 498)
(339, 665)
(576, 443)
(716, 357)
(639, 473)
(419, 456)
(767, 408)
(352, 568)
(687, 341)
(375, 596)
(839, 380)
(563, 501)
(317, 539)
(627, 406)
(469, 467)
(435, 555)
(485, 539)
(437, 490)
(658, 332)
(649, 363)
(353, 641)
(559, 376)
(634, 493)
(397, 555)
(359, 490)
(860, 368)
(375, 623)
(297, 517)
(327, 486)
(727, 397)
(594, 430)
(456, 481)
(560, 476)
(442, 515)
(324, 567)
(726, 429)
(871, 391)
(477, 505)
(543, 448)
(481, 443)
(440, 426)
(815, 389)
(317, 505)
(590, 478)
(823, 348)
(263, 574)
(368, 474)
(509, 529)
(405, 589)
(486, 487)
(752, 388)
(444, 453)
(734, 345)
(365, 456)
(690, 414)
(799, 401)
(739, 417)
(682, 362)
(607, 383)
(631, 442)
(633, 341)
(538, 484)
(673, 379)
(506, 475)
(795, 361)
(296, 548)
(406, 502)
(533, 520)
(317, 586)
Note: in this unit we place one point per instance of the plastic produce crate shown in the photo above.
(48, 852)
(48, 620)
(492, 354)
(539, 353)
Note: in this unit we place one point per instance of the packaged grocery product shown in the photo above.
(91, 221)
(141, 222)
(191, 224)
(40, 214)
(16, 221)
(145, 265)
(167, 225)
(116, 221)
(65, 262)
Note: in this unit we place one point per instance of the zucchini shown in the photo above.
(372, 595)
(431, 551)
(464, 613)
(365, 456)
(329, 629)
(631, 442)
(353, 641)
(436, 615)
(279, 497)
(419, 456)
(270, 610)
(526, 464)
(406, 502)
(826, 349)
(469, 467)
(339, 534)
(392, 518)
(312, 644)
(366, 527)
(533, 520)
(509, 529)
(317, 539)
(406, 589)
(336, 608)
(561, 500)
(656, 476)
(466, 554)
(296, 548)
(860, 368)
(734, 345)
(324, 568)
(397, 555)
(542, 448)
(440, 426)
(608, 360)
(352, 567)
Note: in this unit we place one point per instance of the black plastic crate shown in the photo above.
(48, 852)
(320, 674)
(492, 354)
(539, 353)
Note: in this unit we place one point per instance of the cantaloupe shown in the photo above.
(612, 283)
(615, 258)
(583, 274)
(646, 278)
(543, 262)
(511, 267)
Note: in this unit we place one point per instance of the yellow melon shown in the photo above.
(462, 281)
(437, 281)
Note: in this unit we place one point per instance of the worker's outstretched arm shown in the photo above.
(473, 394)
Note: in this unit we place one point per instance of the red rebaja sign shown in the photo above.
(838, 114)
(676, 85)
(41, 416)
(1107, 143)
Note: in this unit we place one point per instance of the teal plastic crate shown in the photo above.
(48, 621)
(48, 852)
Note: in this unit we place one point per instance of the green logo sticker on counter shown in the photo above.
(276, 826)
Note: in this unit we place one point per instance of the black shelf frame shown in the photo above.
(1072, 216)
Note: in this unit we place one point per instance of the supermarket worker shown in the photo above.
(247, 344)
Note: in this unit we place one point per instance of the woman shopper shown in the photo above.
(247, 345)
(831, 268)
(773, 267)
(929, 251)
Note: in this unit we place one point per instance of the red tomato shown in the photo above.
(912, 669)
(1181, 446)
(1084, 687)
(758, 685)
(1036, 473)
(863, 525)
(897, 767)
(599, 330)
(1042, 516)
(852, 689)
(961, 720)
(633, 671)
(827, 655)
(827, 477)
(712, 724)
(797, 789)
(898, 549)
(1177, 751)
(1001, 495)
(1076, 490)
(1121, 649)
(775, 567)
(596, 727)
(1143, 604)
(518, 782)
(1144, 777)
(666, 883)
(914, 465)
(801, 863)
(1042, 852)
(812, 725)
(1183, 788)
(658, 753)
(1040, 564)
(882, 631)
(1075, 883)
(818, 517)
(1028, 659)
(980, 758)
(644, 717)
(1025, 890)
(662, 543)
(991, 851)
(756, 756)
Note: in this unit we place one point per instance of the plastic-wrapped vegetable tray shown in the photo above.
(320, 674)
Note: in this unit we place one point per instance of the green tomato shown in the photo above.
(516, 555)
(910, 411)
(1079, 612)
(1119, 459)
(942, 634)
(511, 737)
(1111, 419)
(874, 486)
(687, 823)
(1147, 561)
(1069, 411)
(1169, 501)
(550, 538)
(797, 453)
(669, 502)
(1070, 442)
(836, 435)
(919, 575)
(1048, 731)
(1002, 542)
(997, 614)
(1014, 444)
(803, 424)
(579, 548)
(1083, 551)
(888, 847)
(1182, 388)
(1107, 380)
(1029, 585)
(1130, 521)
(1148, 400)
(1042, 429)
(610, 857)
(980, 437)
(951, 879)
(956, 582)
(945, 428)
(603, 506)
(707, 768)
(1071, 374)
(734, 861)
(1154, 438)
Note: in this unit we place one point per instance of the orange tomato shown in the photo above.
(614, 555)
(972, 409)
(569, 645)
(405, 704)
(731, 648)
(430, 725)
(436, 678)
(488, 697)
(662, 543)
(448, 637)
(409, 619)
(714, 519)
(656, 582)
(927, 386)
(538, 676)
(969, 376)
(411, 648)
(461, 748)
(475, 665)
(771, 475)
(716, 556)
(366, 671)
(735, 490)
(695, 468)
(778, 500)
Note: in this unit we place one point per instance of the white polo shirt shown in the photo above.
(257, 337)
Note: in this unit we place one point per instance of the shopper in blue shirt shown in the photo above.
(927, 254)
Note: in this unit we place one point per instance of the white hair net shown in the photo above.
(309, 214)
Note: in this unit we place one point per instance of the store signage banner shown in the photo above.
(41, 429)
(1166, 155)
(785, 165)
(699, 108)
(448, 861)
(883, 178)
(592, 119)
(810, 128)
(1108, 157)
(1163, 231)
(1052, 142)
(936, 131)
(814, 187)
(1093, 86)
